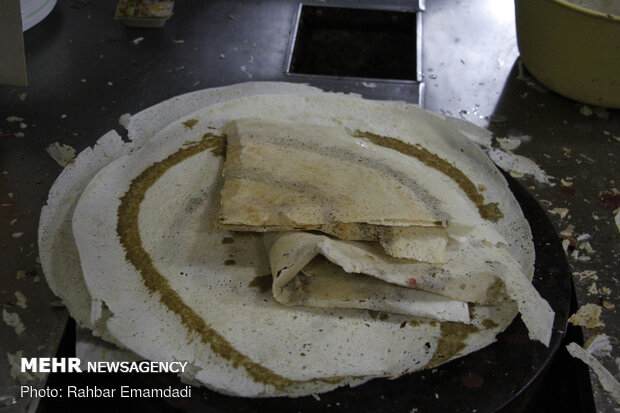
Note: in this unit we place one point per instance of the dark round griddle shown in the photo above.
(496, 378)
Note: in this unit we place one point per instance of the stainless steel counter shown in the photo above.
(86, 69)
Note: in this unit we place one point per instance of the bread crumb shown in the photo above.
(562, 212)
(598, 345)
(587, 274)
(124, 120)
(62, 154)
(592, 289)
(585, 110)
(587, 316)
(13, 320)
(21, 299)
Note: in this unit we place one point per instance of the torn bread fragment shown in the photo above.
(599, 345)
(510, 162)
(608, 382)
(587, 316)
(62, 154)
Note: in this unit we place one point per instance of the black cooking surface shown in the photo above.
(501, 377)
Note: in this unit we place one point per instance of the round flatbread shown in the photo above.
(175, 287)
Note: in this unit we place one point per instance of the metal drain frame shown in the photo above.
(351, 83)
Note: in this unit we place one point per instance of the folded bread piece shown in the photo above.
(322, 283)
(283, 176)
(473, 273)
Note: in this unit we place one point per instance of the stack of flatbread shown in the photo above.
(286, 241)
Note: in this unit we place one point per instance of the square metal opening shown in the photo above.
(350, 42)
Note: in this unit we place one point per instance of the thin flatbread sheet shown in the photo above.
(474, 272)
(321, 283)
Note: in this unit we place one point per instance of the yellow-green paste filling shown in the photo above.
(451, 341)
